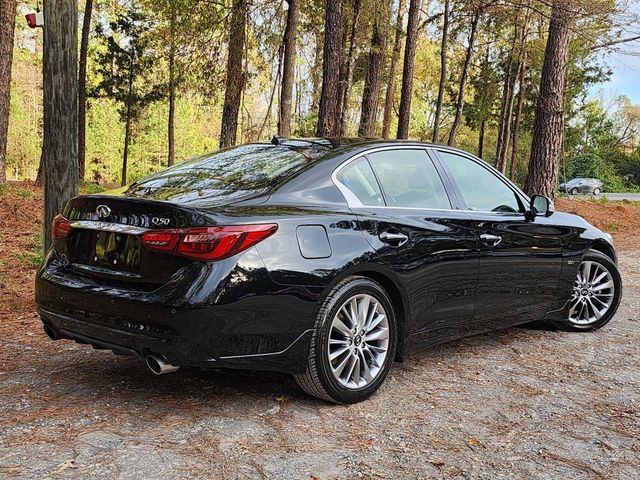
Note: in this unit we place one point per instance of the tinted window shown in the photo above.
(481, 189)
(359, 179)
(409, 179)
(227, 172)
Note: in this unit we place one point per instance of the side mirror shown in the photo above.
(541, 205)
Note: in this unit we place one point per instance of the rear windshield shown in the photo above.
(229, 172)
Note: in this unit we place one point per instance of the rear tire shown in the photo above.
(596, 191)
(347, 365)
(593, 303)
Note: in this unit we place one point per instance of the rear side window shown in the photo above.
(481, 189)
(361, 182)
(409, 179)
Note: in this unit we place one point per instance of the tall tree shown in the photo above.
(515, 137)
(506, 108)
(125, 68)
(522, 67)
(463, 77)
(375, 62)
(548, 128)
(60, 94)
(171, 119)
(345, 88)
(408, 68)
(82, 86)
(7, 26)
(235, 74)
(328, 120)
(288, 68)
(443, 71)
(393, 66)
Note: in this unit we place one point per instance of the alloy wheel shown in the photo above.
(593, 293)
(358, 341)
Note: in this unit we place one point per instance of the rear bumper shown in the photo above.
(177, 351)
(226, 314)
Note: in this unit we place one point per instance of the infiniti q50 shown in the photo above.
(324, 259)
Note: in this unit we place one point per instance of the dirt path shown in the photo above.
(520, 403)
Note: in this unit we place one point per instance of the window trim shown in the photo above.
(354, 202)
(521, 197)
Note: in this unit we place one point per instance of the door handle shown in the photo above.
(491, 240)
(396, 239)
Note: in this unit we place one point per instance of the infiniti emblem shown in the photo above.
(103, 211)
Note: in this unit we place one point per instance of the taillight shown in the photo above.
(208, 243)
(60, 228)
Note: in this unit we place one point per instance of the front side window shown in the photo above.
(481, 189)
(361, 183)
(409, 179)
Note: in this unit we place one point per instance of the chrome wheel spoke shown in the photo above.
(602, 286)
(341, 327)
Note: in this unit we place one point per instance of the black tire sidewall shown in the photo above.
(354, 287)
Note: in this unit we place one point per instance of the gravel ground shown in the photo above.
(519, 403)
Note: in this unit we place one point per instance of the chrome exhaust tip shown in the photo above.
(159, 365)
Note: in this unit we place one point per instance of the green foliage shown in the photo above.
(90, 188)
(34, 256)
(23, 193)
(124, 67)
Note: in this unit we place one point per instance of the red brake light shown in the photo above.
(208, 243)
(163, 240)
(60, 228)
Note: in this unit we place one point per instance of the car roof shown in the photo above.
(341, 144)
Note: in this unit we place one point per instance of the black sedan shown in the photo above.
(324, 259)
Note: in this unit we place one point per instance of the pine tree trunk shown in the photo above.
(7, 27)
(328, 115)
(288, 68)
(506, 107)
(463, 80)
(39, 182)
(408, 69)
(82, 87)
(60, 99)
(443, 73)
(127, 128)
(548, 128)
(483, 125)
(171, 143)
(391, 83)
(316, 72)
(346, 88)
(375, 62)
(515, 139)
(235, 75)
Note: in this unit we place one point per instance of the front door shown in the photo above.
(519, 259)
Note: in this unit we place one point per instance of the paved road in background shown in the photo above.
(635, 197)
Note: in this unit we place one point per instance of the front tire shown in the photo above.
(596, 294)
(574, 191)
(353, 344)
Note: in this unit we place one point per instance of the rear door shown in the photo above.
(519, 259)
(410, 221)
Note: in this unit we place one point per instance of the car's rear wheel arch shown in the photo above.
(395, 292)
